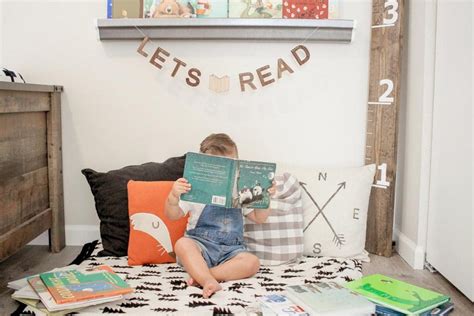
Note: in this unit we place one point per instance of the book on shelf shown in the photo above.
(329, 299)
(228, 182)
(397, 295)
(79, 285)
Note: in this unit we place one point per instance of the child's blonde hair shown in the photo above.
(218, 144)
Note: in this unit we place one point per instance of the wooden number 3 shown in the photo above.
(392, 11)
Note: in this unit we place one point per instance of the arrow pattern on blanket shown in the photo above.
(338, 238)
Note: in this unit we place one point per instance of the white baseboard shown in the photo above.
(412, 253)
(76, 235)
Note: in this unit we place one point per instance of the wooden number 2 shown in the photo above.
(385, 97)
(393, 4)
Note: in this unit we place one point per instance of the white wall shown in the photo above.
(424, 46)
(411, 205)
(1, 33)
(450, 200)
(120, 110)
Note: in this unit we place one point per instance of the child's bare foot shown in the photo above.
(191, 282)
(210, 287)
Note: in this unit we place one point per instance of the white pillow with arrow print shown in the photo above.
(335, 203)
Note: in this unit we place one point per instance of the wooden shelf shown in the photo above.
(227, 29)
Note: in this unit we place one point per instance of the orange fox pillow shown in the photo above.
(152, 234)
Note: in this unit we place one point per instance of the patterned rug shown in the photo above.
(162, 288)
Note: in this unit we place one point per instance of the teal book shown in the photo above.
(397, 295)
(228, 182)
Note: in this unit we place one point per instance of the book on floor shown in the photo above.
(281, 305)
(397, 295)
(228, 182)
(23, 282)
(441, 310)
(329, 299)
(51, 305)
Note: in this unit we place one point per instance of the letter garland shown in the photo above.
(247, 80)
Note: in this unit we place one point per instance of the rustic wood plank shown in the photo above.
(12, 241)
(382, 120)
(22, 198)
(23, 144)
(55, 166)
(21, 101)
(15, 86)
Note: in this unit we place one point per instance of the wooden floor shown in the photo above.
(34, 259)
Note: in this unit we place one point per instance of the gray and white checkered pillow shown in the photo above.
(280, 239)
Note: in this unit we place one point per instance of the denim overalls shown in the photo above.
(219, 234)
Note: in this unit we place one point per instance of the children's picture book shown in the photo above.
(397, 295)
(120, 9)
(329, 299)
(23, 282)
(228, 182)
(281, 305)
(169, 8)
(79, 285)
(210, 8)
(441, 310)
(257, 9)
(50, 303)
(305, 9)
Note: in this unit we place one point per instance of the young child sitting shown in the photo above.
(213, 249)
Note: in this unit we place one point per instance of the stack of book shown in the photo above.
(370, 295)
(68, 289)
(394, 297)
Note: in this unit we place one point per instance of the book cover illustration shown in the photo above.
(74, 285)
(228, 182)
(305, 9)
(254, 179)
(395, 294)
(258, 9)
(210, 8)
(329, 298)
(282, 305)
(125, 9)
(168, 9)
(50, 303)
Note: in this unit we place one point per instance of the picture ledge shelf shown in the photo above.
(227, 29)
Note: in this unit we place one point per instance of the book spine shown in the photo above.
(233, 185)
(109, 8)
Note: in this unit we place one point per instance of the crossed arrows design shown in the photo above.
(338, 238)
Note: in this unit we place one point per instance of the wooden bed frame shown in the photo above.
(31, 182)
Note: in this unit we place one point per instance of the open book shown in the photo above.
(228, 182)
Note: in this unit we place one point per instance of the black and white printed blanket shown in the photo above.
(162, 288)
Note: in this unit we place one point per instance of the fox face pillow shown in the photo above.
(152, 234)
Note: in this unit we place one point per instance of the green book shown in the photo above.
(79, 285)
(397, 295)
(228, 182)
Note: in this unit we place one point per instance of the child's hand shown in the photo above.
(272, 190)
(180, 186)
